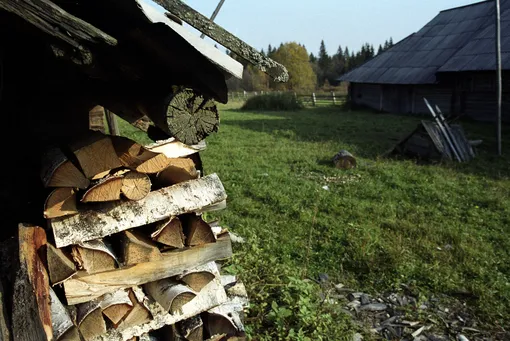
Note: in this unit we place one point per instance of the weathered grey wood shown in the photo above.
(277, 71)
(188, 116)
(116, 217)
(53, 20)
(84, 288)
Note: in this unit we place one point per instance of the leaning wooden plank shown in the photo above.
(58, 171)
(53, 20)
(277, 71)
(119, 216)
(211, 296)
(60, 266)
(31, 317)
(173, 148)
(83, 287)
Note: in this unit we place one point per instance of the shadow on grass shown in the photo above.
(372, 135)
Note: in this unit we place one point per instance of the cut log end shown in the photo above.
(191, 117)
(138, 249)
(117, 312)
(136, 186)
(93, 325)
(60, 266)
(198, 280)
(344, 160)
(96, 155)
(198, 232)
(180, 300)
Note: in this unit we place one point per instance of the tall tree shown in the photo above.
(324, 64)
(380, 50)
(296, 59)
(390, 43)
(313, 59)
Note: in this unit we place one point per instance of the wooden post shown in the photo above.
(314, 101)
(334, 98)
(498, 73)
(113, 125)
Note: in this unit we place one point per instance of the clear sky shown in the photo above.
(338, 22)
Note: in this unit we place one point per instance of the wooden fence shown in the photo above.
(312, 99)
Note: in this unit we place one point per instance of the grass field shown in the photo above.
(442, 229)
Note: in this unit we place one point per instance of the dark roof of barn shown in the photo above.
(417, 58)
(479, 53)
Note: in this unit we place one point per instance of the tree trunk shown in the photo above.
(135, 186)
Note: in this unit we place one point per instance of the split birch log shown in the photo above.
(83, 287)
(136, 316)
(216, 323)
(134, 156)
(135, 186)
(60, 266)
(31, 316)
(92, 325)
(117, 312)
(170, 294)
(179, 170)
(5, 330)
(115, 217)
(187, 116)
(169, 232)
(136, 248)
(96, 154)
(61, 202)
(58, 171)
(344, 160)
(197, 231)
(192, 329)
(173, 148)
(63, 326)
(94, 256)
(200, 276)
(107, 189)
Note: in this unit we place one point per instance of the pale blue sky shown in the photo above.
(351, 23)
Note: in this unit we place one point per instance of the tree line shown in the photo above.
(307, 71)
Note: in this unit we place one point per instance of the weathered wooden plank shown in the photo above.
(31, 317)
(277, 71)
(83, 287)
(116, 217)
(56, 22)
(215, 55)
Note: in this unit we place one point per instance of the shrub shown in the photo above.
(273, 101)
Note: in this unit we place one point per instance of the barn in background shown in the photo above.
(451, 61)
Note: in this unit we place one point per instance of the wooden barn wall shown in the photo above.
(436, 95)
(478, 96)
(366, 95)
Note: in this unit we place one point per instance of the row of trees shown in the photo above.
(307, 71)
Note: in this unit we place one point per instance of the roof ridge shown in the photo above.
(468, 5)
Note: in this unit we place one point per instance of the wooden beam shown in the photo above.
(31, 317)
(56, 22)
(116, 217)
(83, 287)
(277, 71)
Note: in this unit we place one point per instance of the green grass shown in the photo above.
(377, 227)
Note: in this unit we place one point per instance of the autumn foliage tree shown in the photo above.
(296, 59)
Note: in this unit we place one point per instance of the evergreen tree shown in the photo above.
(380, 50)
(390, 43)
(324, 64)
(312, 58)
(386, 45)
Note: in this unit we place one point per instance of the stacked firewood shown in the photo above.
(128, 254)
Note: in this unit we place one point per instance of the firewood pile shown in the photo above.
(128, 253)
